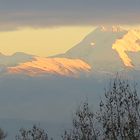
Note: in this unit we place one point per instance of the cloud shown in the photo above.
(46, 13)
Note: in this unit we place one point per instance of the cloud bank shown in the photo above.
(46, 13)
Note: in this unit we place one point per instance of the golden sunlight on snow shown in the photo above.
(61, 66)
(129, 43)
(92, 44)
(112, 29)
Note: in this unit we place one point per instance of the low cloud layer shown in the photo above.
(46, 13)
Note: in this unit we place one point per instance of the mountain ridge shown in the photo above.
(106, 49)
(60, 66)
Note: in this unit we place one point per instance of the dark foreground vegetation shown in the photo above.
(118, 118)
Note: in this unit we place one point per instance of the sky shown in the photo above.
(42, 42)
(48, 27)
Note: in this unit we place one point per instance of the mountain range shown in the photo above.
(27, 97)
(106, 49)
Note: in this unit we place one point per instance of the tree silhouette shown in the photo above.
(35, 133)
(118, 117)
(119, 113)
(83, 125)
(3, 135)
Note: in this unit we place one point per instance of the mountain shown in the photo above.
(59, 66)
(109, 49)
(105, 50)
(15, 59)
(31, 65)
(50, 99)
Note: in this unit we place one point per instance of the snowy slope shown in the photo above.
(109, 48)
(60, 66)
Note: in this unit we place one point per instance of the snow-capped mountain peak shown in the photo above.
(128, 43)
(108, 48)
(114, 28)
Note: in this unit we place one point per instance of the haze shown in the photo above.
(43, 41)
